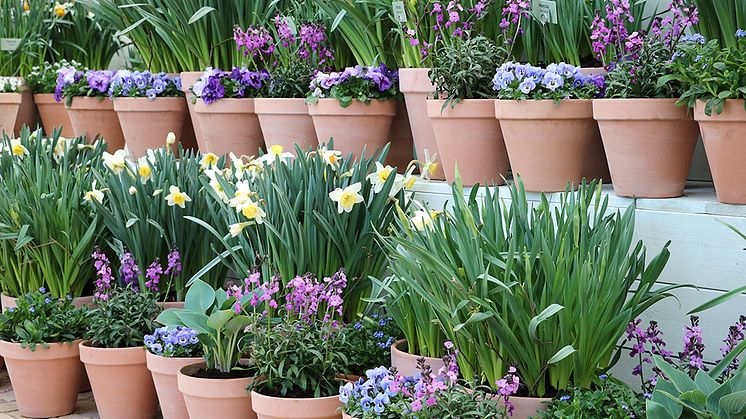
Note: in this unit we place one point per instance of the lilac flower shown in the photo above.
(174, 263)
(692, 354)
(735, 336)
(255, 41)
(552, 81)
(129, 271)
(153, 276)
(104, 278)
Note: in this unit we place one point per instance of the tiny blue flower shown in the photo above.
(42, 290)
(603, 376)
(157, 348)
(382, 322)
(47, 300)
(150, 94)
(358, 326)
(564, 398)
(149, 340)
(69, 297)
(741, 33)
(12, 309)
(31, 309)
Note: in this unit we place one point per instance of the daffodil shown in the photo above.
(241, 196)
(60, 10)
(381, 175)
(276, 152)
(170, 139)
(94, 194)
(409, 179)
(116, 162)
(423, 219)
(330, 157)
(144, 170)
(238, 166)
(429, 166)
(26, 7)
(60, 148)
(132, 190)
(177, 197)
(237, 228)
(216, 185)
(347, 198)
(17, 149)
(208, 161)
(253, 211)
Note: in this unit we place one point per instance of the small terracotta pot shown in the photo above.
(53, 115)
(121, 382)
(417, 88)
(286, 122)
(171, 304)
(267, 407)
(16, 110)
(346, 416)
(469, 138)
(406, 363)
(95, 118)
(8, 301)
(649, 144)
(528, 407)
(548, 143)
(146, 123)
(723, 136)
(192, 135)
(164, 371)
(354, 128)
(401, 150)
(45, 381)
(229, 125)
(215, 398)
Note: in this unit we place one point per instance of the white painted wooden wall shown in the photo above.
(704, 253)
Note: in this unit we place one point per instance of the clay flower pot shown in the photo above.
(354, 128)
(229, 125)
(286, 122)
(214, 397)
(95, 118)
(122, 385)
(723, 136)
(406, 363)
(53, 115)
(401, 149)
(528, 407)
(267, 407)
(469, 138)
(548, 143)
(417, 88)
(146, 123)
(649, 145)
(190, 131)
(45, 381)
(16, 110)
(8, 301)
(164, 371)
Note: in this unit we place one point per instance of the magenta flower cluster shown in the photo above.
(130, 272)
(641, 340)
(451, 20)
(261, 292)
(258, 43)
(310, 299)
(610, 32)
(512, 13)
(104, 277)
(735, 336)
(378, 78)
(155, 271)
(682, 16)
(692, 355)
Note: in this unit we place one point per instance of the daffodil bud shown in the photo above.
(171, 138)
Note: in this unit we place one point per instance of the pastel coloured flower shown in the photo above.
(177, 197)
(347, 198)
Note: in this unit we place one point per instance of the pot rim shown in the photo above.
(281, 106)
(9, 98)
(264, 396)
(543, 109)
(88, 103)
(143, 104)
(13, 350)
(331, 107)
(46, 99)
(93, 355)
(733, 111)
(465, 109)
(395, 348)
(642, 109)
(226, 106)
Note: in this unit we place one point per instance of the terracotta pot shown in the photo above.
(192, 135)
(406, 363)
(229, 125)
(528, 407)
(95, 118)
(469, 138)
(548, 143)
(215, 398)
(164, 371)
(171, 304)
(267, 407)
(146, 123)
(723, 136)
(355, 128)
(45, 381)
(401, 148)
(286, 122)
(8, 301)
(122, 385)
(649, 144)
(53, 115)
(10, 103)
(417, 88)
(346, 416)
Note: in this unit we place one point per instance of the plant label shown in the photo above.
(400, 13)
(291, 24)
(545, 11)
(9, 44)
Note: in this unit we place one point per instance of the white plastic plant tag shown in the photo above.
(545, 11)
(400, 13)
(9, 44)
(291, 24)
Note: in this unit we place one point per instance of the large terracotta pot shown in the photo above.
(548, 143)
(16, 110)
(53, 115)
(406, 363)
(229, 125)
(649, 145)
(214, 397)
(354, 128)
(469, 138)
(417, 88)
(122, 385)
(401, 150)
(267, 407)
(164, 371)
(191, 132)
(45, 381)
(723, 136)
(96, 118)
(286, 122)
(146, 123)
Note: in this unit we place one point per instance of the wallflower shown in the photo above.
(177, 197)
(378, 179)
(115, 162)
(276, 152)
(94, 194)
(347, 198)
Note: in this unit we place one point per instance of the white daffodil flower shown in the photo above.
(60, 148)
(381, 175)
(170, 139)
(116, 162)
(237, 228)
(347, 198)
(241, 196)
(423, 219)
(17, 149)
(276, 152)
(208, 161)
(253, 211)
(429, 166)
(177, 197)
(144, 170)
(330, 157)
(132, 190)
(94, 194)
(238, 166)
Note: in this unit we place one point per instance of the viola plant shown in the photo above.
(39, 319)
(355, 83)
(555, 82)
(43, 79)
(10, 84)
(89, 83)
(369, 342)
(144, 84)
(215, 84)
(177, 342)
